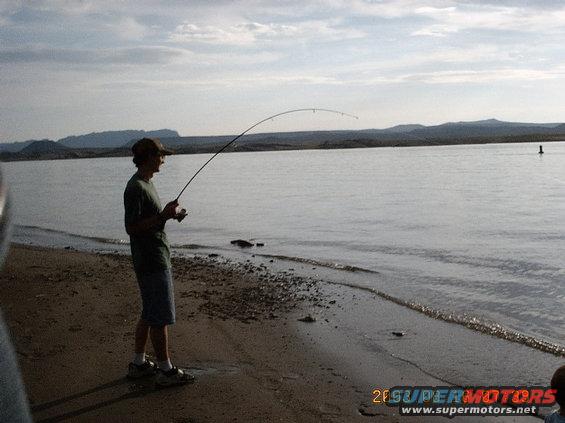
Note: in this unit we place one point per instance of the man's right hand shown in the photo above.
(169, 211)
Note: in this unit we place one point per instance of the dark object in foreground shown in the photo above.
(242, 243)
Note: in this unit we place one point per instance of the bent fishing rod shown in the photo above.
(314, 110)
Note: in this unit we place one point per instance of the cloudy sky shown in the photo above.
(216, 67)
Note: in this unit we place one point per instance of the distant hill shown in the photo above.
(43, 146)
(484, 128)
(404, 128)
(409, 134)
(499, 123)
(46, 149)
(118, 143)
(15, 146)
(113, 139)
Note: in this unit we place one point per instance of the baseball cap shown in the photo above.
(149, 146)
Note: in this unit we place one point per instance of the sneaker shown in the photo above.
(173, 377)
(136, 371)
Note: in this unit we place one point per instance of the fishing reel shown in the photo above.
(180, 213)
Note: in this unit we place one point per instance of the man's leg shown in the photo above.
(160, 341)
(141, 336)
(140, 366)
(167, 374)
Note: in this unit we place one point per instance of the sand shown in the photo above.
(239, 329)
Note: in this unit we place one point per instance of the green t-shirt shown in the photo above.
(150, 251)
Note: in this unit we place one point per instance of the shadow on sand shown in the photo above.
(136, 389)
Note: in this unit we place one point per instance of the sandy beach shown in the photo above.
(71, 316)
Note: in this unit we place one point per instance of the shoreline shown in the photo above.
(330, 272)
(93, 153)
(71, 316)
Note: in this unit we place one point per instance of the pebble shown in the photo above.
(307, 319)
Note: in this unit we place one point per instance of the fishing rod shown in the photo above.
(314, 110)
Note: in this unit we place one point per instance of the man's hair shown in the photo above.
(146, 148)
(140, 159)
(558, 383)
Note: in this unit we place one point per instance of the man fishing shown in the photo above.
(145, 223)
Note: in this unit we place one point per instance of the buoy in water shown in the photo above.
(540, 149)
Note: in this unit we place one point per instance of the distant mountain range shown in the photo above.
(113, 139)
(118, 143)
(108, 139)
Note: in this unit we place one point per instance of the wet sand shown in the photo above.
(72, 314)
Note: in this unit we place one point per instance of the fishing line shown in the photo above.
(314, 110)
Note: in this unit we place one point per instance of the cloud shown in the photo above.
(249, 33)
(71, 7)
(478, 54)
(454, 77)
(128, 7)
(389, 8)
(489, 17)
(129, 29)
(7, 8)
(118, 56)
(176, 59)
(236, 34)
(483, 76)
(487, 76)
(236, 59)
(446, 17)
(222, 82)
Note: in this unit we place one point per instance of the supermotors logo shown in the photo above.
(509, 396)
(481, 395)
(481, 400)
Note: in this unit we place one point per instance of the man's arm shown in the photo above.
(149, 223)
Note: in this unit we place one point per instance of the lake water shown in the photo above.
(474, 230)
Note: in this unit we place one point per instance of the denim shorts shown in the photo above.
(157, 297)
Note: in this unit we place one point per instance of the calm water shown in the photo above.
(470, 229)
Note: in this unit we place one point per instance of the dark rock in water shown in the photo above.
(260, 244)
(307, 319)
(399, 333)
(242, 243)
